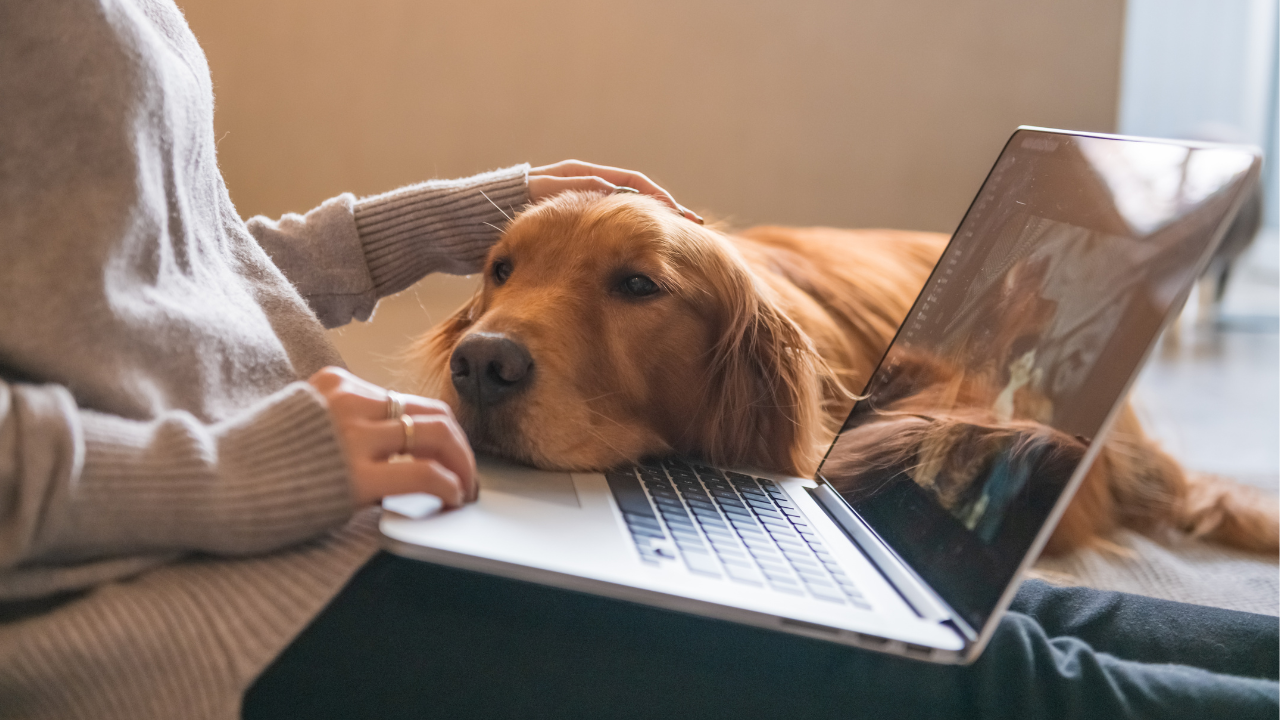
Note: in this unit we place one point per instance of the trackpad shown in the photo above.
(501, 476)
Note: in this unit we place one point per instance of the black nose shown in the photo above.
(488, 368)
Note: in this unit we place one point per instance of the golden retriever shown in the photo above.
(609, 329)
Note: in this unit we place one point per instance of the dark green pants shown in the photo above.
(407, 639)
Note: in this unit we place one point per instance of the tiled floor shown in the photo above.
(1211, 391)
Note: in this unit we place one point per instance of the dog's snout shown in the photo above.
(488, 368)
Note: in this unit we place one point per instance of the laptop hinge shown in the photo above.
(913, 590)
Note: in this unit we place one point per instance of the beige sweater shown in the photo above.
(174, 507)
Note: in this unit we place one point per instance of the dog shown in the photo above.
(609, 329)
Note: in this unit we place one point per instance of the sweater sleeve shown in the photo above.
(347, 254)
(78, 486)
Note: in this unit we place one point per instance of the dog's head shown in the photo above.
(607, 329)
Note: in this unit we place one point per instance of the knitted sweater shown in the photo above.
(174, 507)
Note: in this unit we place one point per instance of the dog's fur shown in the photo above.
(747, 356)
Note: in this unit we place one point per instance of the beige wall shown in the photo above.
(870, 113)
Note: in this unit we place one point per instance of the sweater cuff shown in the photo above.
(271, 477)
(439, 225)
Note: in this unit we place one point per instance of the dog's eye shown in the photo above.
(501, 271)
(639, 286)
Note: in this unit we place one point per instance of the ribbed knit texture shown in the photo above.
(174, 505)
(229, 488)
(463, 213)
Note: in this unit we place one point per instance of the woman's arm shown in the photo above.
(347, 254)
(78, 485)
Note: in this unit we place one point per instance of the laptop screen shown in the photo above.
(1031, 327)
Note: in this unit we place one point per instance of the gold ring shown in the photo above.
(406, 421)
(395, 404)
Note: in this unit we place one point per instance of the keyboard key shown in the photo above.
(777, 575)
(646, 531)
(826, 585)
(793, 546)
(811, 573)
(702, 564)
(687, 549)
(828, 594)
(744, 574)
(646, 520)
(770, 561)
(688, 533)
(736, 554)
(775, 524)
(851, 591)
(628, 493)
(787, 535)
(801, 561)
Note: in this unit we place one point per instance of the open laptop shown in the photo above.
(1076, 252)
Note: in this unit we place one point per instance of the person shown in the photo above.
(181, 454)
(183, 463)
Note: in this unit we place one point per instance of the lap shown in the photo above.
(409, 639)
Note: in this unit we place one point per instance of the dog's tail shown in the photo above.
(1151, 490)
(1227, 512)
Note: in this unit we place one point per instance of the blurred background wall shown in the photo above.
(856, 114)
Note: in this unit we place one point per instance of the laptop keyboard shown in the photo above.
(727, 525)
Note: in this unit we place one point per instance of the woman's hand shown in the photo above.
(441, 463)
(553, 179)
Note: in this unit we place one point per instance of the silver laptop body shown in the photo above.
(1104, 235)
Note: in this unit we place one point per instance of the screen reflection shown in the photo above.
(1024, 338)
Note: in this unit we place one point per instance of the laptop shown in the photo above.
(951, 471)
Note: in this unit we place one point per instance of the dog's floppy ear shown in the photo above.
(428, 357)
(765, 395)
